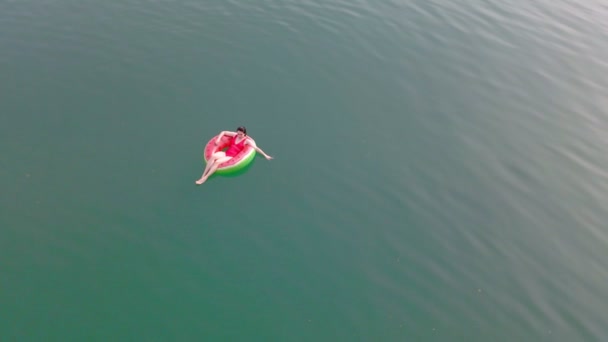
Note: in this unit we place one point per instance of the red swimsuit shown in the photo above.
(235, 148)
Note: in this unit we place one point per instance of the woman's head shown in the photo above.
(242, 129)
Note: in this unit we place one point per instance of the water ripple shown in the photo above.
(468, 193)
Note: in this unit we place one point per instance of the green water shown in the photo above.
(439, 172)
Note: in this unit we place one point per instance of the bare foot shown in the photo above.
(201, 181)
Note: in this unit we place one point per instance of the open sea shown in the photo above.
(440, 170)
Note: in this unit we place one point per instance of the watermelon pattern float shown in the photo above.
(237, 162)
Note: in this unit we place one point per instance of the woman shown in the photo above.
(237, 144)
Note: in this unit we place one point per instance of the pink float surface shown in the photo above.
(211, 148)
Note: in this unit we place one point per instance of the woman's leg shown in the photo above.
(212, 169)
(212, 160)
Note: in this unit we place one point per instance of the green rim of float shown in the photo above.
(236, 163)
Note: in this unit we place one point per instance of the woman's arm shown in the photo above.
(219, 137)
(262, 152)
(252, 143)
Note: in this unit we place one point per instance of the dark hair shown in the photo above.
(242, 129)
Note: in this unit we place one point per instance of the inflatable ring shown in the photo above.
(236, 163)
